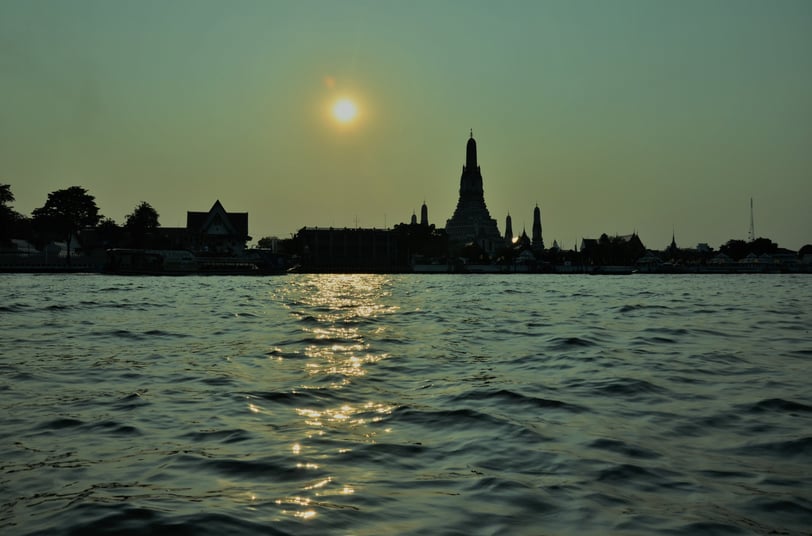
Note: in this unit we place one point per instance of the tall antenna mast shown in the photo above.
(752, 234)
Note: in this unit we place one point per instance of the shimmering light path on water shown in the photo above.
(377, 404)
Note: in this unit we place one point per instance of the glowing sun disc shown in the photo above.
(344, 110)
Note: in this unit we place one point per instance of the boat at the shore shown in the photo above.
(184, 262)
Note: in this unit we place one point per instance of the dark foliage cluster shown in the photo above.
(739, 249)
(72, 213)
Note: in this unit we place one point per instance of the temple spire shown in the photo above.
(538, 241)
(471, 221)
(470, 153)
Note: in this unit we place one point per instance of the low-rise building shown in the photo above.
(351, 250)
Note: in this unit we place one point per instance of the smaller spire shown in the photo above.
(509, 230)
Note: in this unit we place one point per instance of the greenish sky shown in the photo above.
(613, 116)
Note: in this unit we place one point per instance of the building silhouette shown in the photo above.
(614, 250)
(214, 232)
(538, 241)
(471, 222)
(508, 231)
(352, 250)
(217, 231)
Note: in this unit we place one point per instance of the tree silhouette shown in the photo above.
(6, 196)
(66, 212)
(738, 249)
(109, 232)
(734, 248)
(760, 246)
(7, 215)
(141, 224)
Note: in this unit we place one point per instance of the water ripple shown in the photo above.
(382, 404)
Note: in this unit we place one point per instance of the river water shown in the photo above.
(406, 404)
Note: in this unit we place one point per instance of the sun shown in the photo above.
(344, 110)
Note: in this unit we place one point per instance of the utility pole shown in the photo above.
(752, 234)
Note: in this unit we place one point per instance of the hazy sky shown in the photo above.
(613, 116)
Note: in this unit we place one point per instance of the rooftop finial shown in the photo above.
(472, 133)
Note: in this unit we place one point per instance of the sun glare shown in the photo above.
(344, 110)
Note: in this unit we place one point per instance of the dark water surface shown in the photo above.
(366, 404)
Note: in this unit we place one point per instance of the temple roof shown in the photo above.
(237, 222)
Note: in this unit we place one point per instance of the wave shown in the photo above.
(60, 424)
(462, 419)
(396, 456)
(268, 468)
(630, 388)
(567, 343)
(640, 307)
(113, 428)
(14, 308)
(106, 426)
(506, 400)
(131, 402)
(709, 528)
(788, 448)
(775, 405)
(623, 448)
(137, 521)
(138, 336)
(312, 397)
(627, 473)
(233, 435)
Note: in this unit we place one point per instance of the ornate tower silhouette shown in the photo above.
(424, 215)
(508, 231)
(672, 248)
(538, 241)
(471, 221)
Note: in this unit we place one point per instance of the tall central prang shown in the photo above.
(471, 221)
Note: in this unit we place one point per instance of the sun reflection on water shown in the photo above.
(338, 319)
(297, 501)
(319, 484)
(344, 308)
(345, 415)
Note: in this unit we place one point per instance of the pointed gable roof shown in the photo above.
(235, 222)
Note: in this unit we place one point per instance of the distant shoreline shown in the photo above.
(85, 270)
